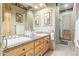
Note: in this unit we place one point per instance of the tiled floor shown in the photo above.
(64, 50)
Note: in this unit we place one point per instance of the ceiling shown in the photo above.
(65, 6)
(38, 6)
(35, 6)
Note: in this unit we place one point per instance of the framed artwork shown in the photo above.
(37, 23)
(19, 18)
(47, 19)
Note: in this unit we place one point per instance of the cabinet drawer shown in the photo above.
(38, 49)
(19, 50)
(23, 54)
(28, 53)
(28, 46)
(40, 53)
(46, 41)
(38, 42)
(46, 47)
(14, 52)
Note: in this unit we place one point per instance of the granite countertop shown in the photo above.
(21, 40)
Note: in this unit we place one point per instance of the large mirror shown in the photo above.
(47, 19)
(37, 21)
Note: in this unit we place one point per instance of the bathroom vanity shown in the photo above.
(36, 46)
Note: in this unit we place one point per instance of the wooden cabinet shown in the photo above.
(15, 52)
(6, 19)
(46, 44)
(28, 46)
(38, 42)
(42, 47)
(20, 49)
(37, 48)
(28, 53)
(23, 54)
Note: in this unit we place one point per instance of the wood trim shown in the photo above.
(6, 19)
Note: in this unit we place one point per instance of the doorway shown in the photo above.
(66, 24)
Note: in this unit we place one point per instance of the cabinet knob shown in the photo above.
(23, 49)
(39, 47)
(47, 41)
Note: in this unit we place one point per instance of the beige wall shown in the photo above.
(77, 10)
(0, 21)
(0, 29)
(43, 28)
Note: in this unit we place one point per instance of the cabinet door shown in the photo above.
(24, 54)
(38, 42)
(19, 49)
(47, 42)
(6, 19)
(28, 53)
(46, 45)
(37, 50)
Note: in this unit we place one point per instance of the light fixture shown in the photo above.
(66, 5)
(36, 7)
(41, 4)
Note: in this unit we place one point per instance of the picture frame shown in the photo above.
(37, 22)
(47, 20)
(19, 18)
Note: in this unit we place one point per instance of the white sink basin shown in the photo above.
(42, 34)
(16, 41)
